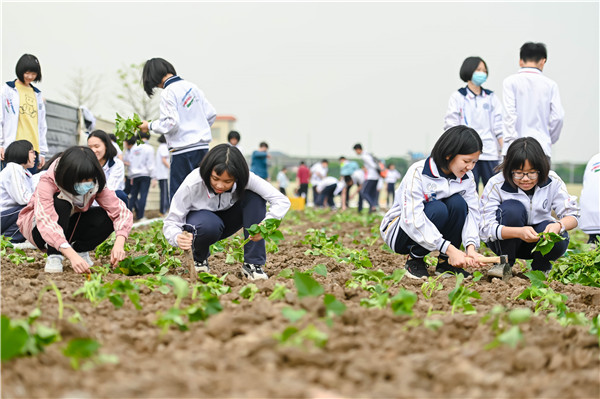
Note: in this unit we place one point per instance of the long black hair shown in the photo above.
(226, 158)
(456, 140)
(521, 150)
(155, 69)
(76, 164)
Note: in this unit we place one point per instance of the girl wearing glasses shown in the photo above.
(517, 204)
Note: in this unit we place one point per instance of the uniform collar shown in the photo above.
(12, 85)
(211, 194)
(530, 70)
(506, 186)
(172, 79)
(430, 169)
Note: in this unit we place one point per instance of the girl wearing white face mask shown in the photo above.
(479, 109)
(59, 217)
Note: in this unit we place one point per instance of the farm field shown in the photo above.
(337, 318)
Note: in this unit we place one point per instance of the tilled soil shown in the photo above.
(370, 352)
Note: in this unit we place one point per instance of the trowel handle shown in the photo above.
(493, 259)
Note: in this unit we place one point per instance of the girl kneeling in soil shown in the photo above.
(16, 186)
(59, 218)
(215, 201)
(436, 207)
(517, 204)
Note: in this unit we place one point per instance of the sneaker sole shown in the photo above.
(202, 270)
(250, 276)
(52, 270)
(410, 275)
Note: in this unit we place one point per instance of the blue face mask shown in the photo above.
(83, 188)
(479, 78)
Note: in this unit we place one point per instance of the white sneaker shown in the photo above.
(254, 272)
(54, 264)
(86, 257)
(24, 245)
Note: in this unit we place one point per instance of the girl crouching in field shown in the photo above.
(436, 207)
(517, 204)
(16, 186)
(59, 218)
(215, 201)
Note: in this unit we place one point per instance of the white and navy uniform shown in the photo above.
(532, 108)
(141, 160)
(114, 170)
(369, 189)
(16, 188)
(185, 116)
(390, 179)
(212, 217)
(548, 196)
(423, 183)
(483, 113)
(590, 197)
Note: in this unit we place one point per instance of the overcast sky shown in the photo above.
(315, 78)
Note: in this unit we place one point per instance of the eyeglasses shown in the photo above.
(530, 175)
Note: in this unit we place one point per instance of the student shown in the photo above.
(233, 138)
(436, 207)
(161, 174)
(369, 190)
(590, 200)
(141, 168)
(479, 109)
(23, 115)
(302, 176)
(327, 189)
(259, 161)
(59, 214)
(346, 169)
(218, 199)
(517, 204)
(536, 112)
(113, 140)
(283, 180)
(185, 118)
(317, 173)
(390, 179)
(357, 178)
(114, 170)
(16, 186)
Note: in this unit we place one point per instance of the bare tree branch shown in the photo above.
(132, 97)
(84, 88)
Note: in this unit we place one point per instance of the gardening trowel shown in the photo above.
(501, 268)
(189, 261)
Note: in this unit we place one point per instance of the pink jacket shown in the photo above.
(40, 212)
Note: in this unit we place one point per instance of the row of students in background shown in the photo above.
(536, 112)
(437, 206)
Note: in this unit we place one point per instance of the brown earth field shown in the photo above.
(369, 352)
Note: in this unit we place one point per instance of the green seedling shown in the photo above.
(25, 337)
(460, 297)
(127, 128)
(293, 315)
(403, 302)
(16, 256)
(86, 349)
(293, 336)
(279, 292)
(546, 242)
(432, 285)
(234, 246)
(578, 268)
(306, 285)
(504, 325)
(248, 291)
(146, 264)
(595, 327)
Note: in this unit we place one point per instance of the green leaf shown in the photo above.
(293, 315)
(321, 270)
(180, 286)
(306, 285)
(13, 339)
(286, 273)
(519, 315)
(333, 306)
(537, 278)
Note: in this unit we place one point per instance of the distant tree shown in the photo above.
(132, 95)
(84, 88)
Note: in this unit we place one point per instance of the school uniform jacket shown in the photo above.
(481, 112)
(141, 160)
(9, 117)
(194, 195)
(114, 170)
(423, 183)
(590, 197)
(185, 116)
(16, 186)
(548, 196)
(532, 108)
(40, 211)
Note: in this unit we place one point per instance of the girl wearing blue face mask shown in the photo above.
(59, 218)
(479, 109)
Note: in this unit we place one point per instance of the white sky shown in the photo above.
(315, 78)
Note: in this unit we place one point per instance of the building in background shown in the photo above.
(221, 128)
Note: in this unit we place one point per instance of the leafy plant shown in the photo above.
(127, 128)
(460, 297)
(293, 336)
(306, 285)
(546, 242)
(145, 264)
(25, 337)
(248, 291)
(279, 292)
(504, 324)
(402, 303)
(432, 285)
(79, 349)
(578, 268)
(293, 315)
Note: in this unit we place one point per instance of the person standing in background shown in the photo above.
(479, 109)
(317, 173)
(391, 178)
(185, 118)
(303, 176)
(23, 115)
(369, 190)
(589, 222)
(141, 168)
(161, 174)
(283, 180)
(259, 161)
(532, 106)
(233, 138)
